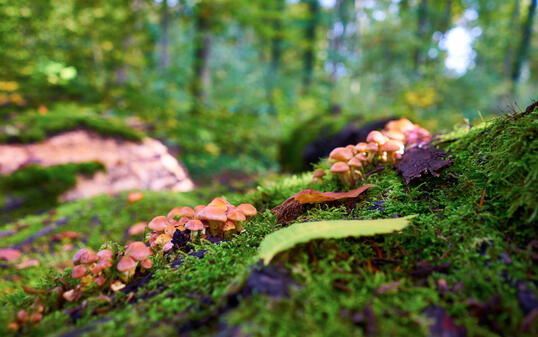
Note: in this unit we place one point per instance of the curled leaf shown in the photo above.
(295, 234)
(312, 196)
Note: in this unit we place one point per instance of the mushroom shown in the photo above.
(22, 316)
(356, 169)
(340, 154)
(248, 210)
(180, 212)
(198, 209)
(372, 149)
(318, 175)
(237, 217)
(78, 255)
(117, 285)
(216, 216)
(78, 271)
(220, 203)
(127, 267)
(196, 227)
(138, 251)
(229, 229)
(395, 135)
(343, 172)
(158, 223)
(361, 147)
(146, 264)
(376, 137)
(100, 280)
(389, 150)
(168, 246)
(36, 317)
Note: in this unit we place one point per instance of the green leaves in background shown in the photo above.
(288, 237)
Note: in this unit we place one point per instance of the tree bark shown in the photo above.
(164, 59)
(310, 37)
(523, 49)
(202, 50)
(422, 20)
(276, 51)
(509, 57)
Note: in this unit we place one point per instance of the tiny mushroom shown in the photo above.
(216, 216)
(248, 210)
(127, 267)
(340, 154)
(376, 137)
(196, 227)
(237, 217)
(389, 150)
(342, 170)
(180, 212)
(220, 203)
(158, 223)
(117, 285)
(138, 251)
(356, 168)
(78, 271)
(318, 175)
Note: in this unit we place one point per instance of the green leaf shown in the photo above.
(288, 237)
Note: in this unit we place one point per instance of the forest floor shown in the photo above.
(465, 266)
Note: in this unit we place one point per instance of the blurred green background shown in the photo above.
(231, 85)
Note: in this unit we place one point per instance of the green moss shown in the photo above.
(38, 187)
(339, 279)
(30, 126)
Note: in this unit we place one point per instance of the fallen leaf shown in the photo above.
(292, 208)
(137, 228)
(295, 234)
(9, 254)
(28, 264)
(418, 161)
(135, 196)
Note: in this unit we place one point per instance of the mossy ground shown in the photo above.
(478, 219)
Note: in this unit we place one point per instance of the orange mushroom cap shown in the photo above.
(247, 209)
(220, 203)
(339, 167)
(228, 226)
(194, 225)
(212, 213)
(146, 264)
(180, 212)
(126, 263)
(376, 137)
(391, 146)
(354, 162)
(138, 251)
(235, 215)
(340, 154)
(158, 223)
(78, 271)
(88, 257)
(361, 147)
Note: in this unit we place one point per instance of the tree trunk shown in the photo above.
(202, 50)
(510, 46)
(164, 59)
(276, 51)
(422, 20)
(523, 49)
(310, 37)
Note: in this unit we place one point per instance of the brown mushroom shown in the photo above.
(220, 203)
(127, 267)
(248, 210)
(389, 150)
(343, 171)
(138, 251)
(100, 280)
(146, 264)
(215, 216)
(355, 166)
(196, 227)
(376, 137)
(158, 223)
(180, 212)
(318, 175)
(340, 154)
(117, 285)
(78, 271)
(238, 219)
(229, 229)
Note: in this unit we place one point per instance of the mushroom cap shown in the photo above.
(167, 247)
(78, 255)
(361, 147)
(194, 225)
(100, 280)
(198, 209)
(105, 254)
(117, 285)
(354, 162)
(235, 215)
(228, 226)
(372, 147)
(376, 137)
(180, 212)
(146, 264)
(340, 154)
(158, 223)
(318, 173)
(212, 213)
(22, 316)
(404, 125)
(88, 257)
(391, 146)
(351, 148)
(361, 157)
(126, 263)
(247, 209)
(394, 134)
(138, 251)
(220, 203)
(79, 271)
(339, 167)
(170, 229)
(163, 239)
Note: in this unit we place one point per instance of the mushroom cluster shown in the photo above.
(218, 218)
(387, 145)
